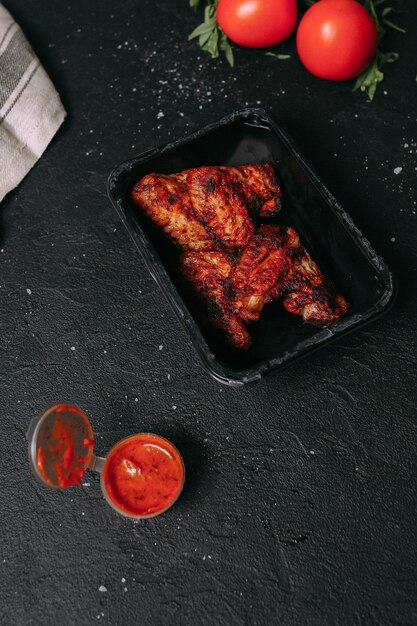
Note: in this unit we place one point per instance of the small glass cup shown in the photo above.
(61, 450)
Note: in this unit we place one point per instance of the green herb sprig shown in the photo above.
(211, 38)
(373, 75)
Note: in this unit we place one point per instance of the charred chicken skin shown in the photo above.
(275, 264)
(166, 201)
(220, 205)
(306, 291)
(259, 186)
(259, 274)
(208, 274)
(203, 208)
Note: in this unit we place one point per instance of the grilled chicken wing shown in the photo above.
(208, 273)
(275, 264)
(166, 201)
(219, 204)
(306, 291)
(259, 274)
(259, 186)
(202, 208)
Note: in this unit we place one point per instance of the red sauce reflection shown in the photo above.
(65, 447)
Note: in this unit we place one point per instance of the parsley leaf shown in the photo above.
(373, 75)
(281, 57)
(210, 36)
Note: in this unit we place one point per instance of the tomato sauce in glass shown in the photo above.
(143, 475)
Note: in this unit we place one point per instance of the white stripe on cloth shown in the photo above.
(31, 114)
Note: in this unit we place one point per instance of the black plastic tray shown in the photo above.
(343, 254)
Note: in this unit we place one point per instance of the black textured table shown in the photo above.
(300, 500)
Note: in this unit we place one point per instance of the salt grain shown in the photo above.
(398, 170)
(102, 589)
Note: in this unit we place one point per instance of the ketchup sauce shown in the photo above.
(143, 475)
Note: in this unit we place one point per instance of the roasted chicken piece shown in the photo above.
(219, 204)
(208, 274)
(205, 207)
(275, 264)
(306, 291)
(260, 272)
(259, 186)
(166, 201)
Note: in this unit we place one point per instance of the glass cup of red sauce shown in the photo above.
(142, 475)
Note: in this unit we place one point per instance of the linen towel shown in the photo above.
(30, 108)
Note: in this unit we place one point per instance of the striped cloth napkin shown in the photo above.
(30, 109)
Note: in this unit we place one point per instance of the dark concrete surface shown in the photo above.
(300, 501)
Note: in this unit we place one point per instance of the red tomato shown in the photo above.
(336, 39)
(257, 23)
